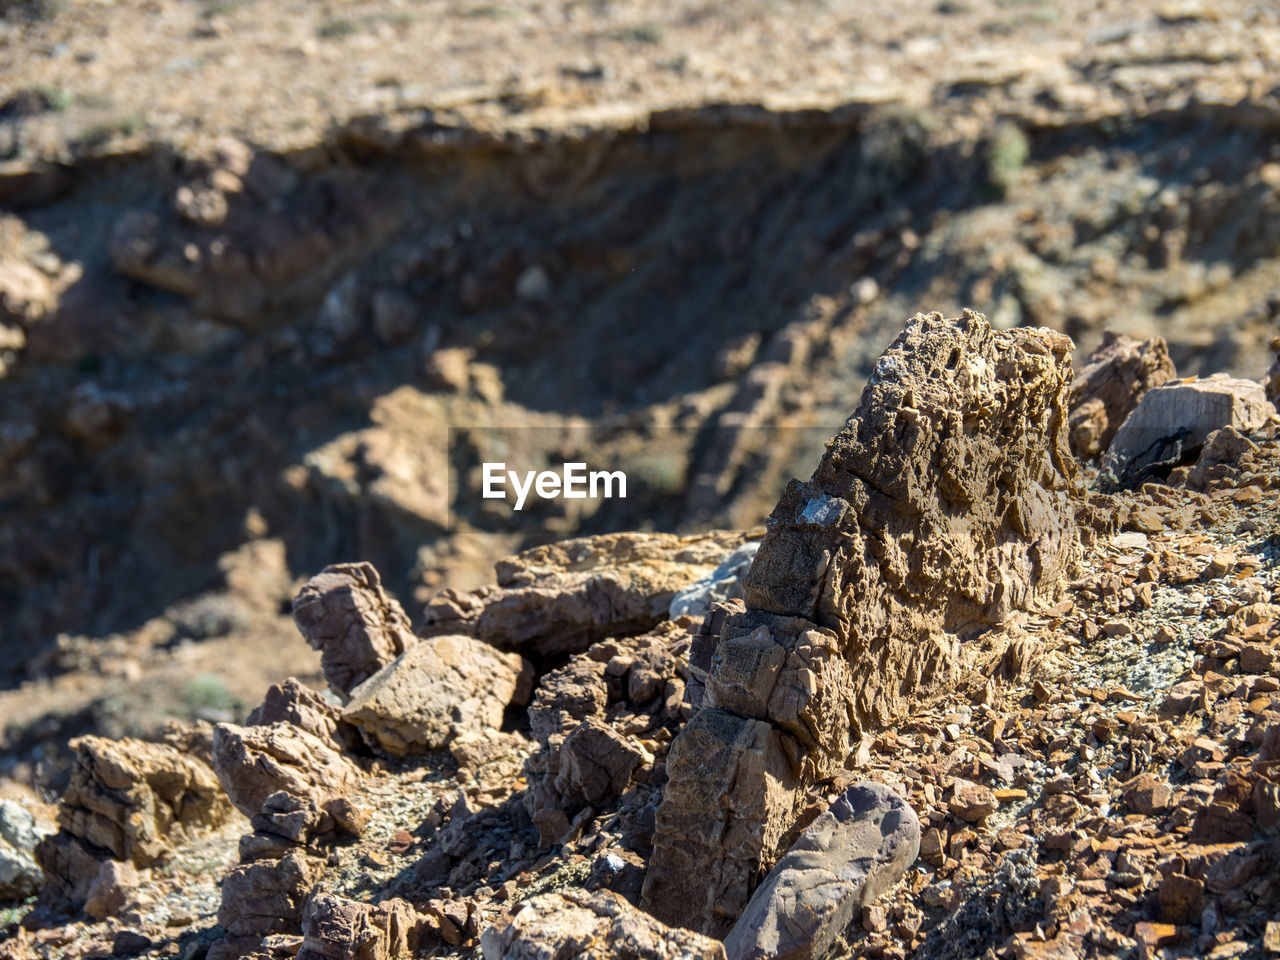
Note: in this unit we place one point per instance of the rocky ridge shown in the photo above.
(1109, 786)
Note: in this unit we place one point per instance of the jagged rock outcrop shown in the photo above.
(1172, 422)
(335, 928)
(943, 506)
(293, 702)
(128, 800)
(19, 875)
(573, 923)
(266, 896)
(288, 772)
(1115, 378)
(588, 717)
(854, 851)
(563, 597)
(258, 763)
(438, 690)
(344, 613)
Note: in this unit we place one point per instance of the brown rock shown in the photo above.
(295, 703)
(845, 859)
(1180, 898)
(601, 925)
(130, 801)
(565, 596)
(595, 763)
(345, 614)
(266, 896)
(1147, 794)
(438, 690)
(1115, 378)
(973, 803)
(255, 763)
(110, 889)
(957, 451)
(334, 928)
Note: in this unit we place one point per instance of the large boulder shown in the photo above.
(1115, 378)
(574, 923)
(563, 597)
(438, 690)
(942, 508)
(854, 851)
(345, 614)
(1173, 421)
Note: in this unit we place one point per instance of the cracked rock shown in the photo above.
(335, 928)
(438, 690)
(854, 851)
(345, 614)
(563, 597)
(944, 507)
(130, 801)
(1173, 421)
(1115, 378)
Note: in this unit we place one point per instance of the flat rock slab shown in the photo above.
(856, 849)
(435, 691)
(1176, 418)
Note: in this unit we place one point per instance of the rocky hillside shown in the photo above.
(271, 289)
(961, 696)
(996, 679)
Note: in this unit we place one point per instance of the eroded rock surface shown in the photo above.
(601, 925)
(345, 614)
(256, 763)
(943, 507)
(589, 717)
(563, 597)
(335, 928)
(130, 801)
(1119, 372)
(846, 858)
(438, 690)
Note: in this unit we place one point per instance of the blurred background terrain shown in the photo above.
(275, 278)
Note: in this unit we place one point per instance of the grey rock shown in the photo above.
(723, 583)
(1174, 420)
(854, 851)
(19, 875)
